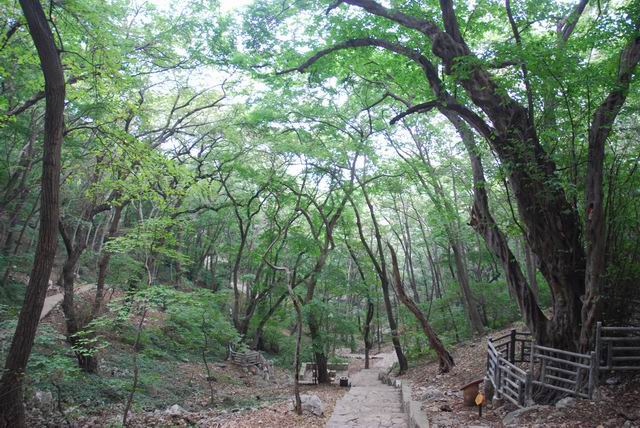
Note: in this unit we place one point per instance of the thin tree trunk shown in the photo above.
(136, 369)
(381, 270)
(467, 296)
(257, 342)
(444, 358)
(366, 328)
(103, 262)
(11, 405)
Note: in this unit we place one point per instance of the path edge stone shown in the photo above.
(412, 408)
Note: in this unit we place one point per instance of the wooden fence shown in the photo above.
(249, 358)
(569, 372)
(515, 364)
(618, 348)
(244, 359)
(509, 381)
(514, 346)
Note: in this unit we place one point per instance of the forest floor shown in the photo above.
(176, 393)
(173, 392)
(442, 399)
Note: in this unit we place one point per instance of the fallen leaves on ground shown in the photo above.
(618, 406)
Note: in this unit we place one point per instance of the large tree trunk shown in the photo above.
(552, 224)
(482, 221)
(531, 263)
(11, 407)
(601, 124)
(444, 358)
(319, 353)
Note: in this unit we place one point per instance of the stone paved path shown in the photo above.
(51, 301)
(369, 403)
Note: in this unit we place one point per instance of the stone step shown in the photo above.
(369, 403)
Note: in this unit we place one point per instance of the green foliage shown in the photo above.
(224, 169)
(49, 363)
(11, 297)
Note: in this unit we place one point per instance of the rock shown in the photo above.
(512, 417)
(310, 403)
(174, 410)
(253, 370)
(566, 402)
(430, 393)
(630, 415)
(221, 365)
(44, 399)
(614, 380)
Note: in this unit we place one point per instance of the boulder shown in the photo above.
(311, 403)
(44, 399)
(566, 402)
(174, 410)
(613, 380)
(430, 393)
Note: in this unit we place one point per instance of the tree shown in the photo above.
(552, 224)
(11, 409)
(380, 266)
(444, 358)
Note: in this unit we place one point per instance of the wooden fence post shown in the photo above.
(531, 354)
(593, 373)
(512, 347)
(528, 388)
(498, 378)
(598, 343)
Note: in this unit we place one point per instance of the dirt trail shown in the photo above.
(51, 301)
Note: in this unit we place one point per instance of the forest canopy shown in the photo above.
(314, 175)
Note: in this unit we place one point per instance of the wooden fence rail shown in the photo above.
(618, 348)
(568, 372)
(247, 358)
(509, 381)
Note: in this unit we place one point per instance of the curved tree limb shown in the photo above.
(595, 233)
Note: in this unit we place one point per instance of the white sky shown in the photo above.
(225, 5)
